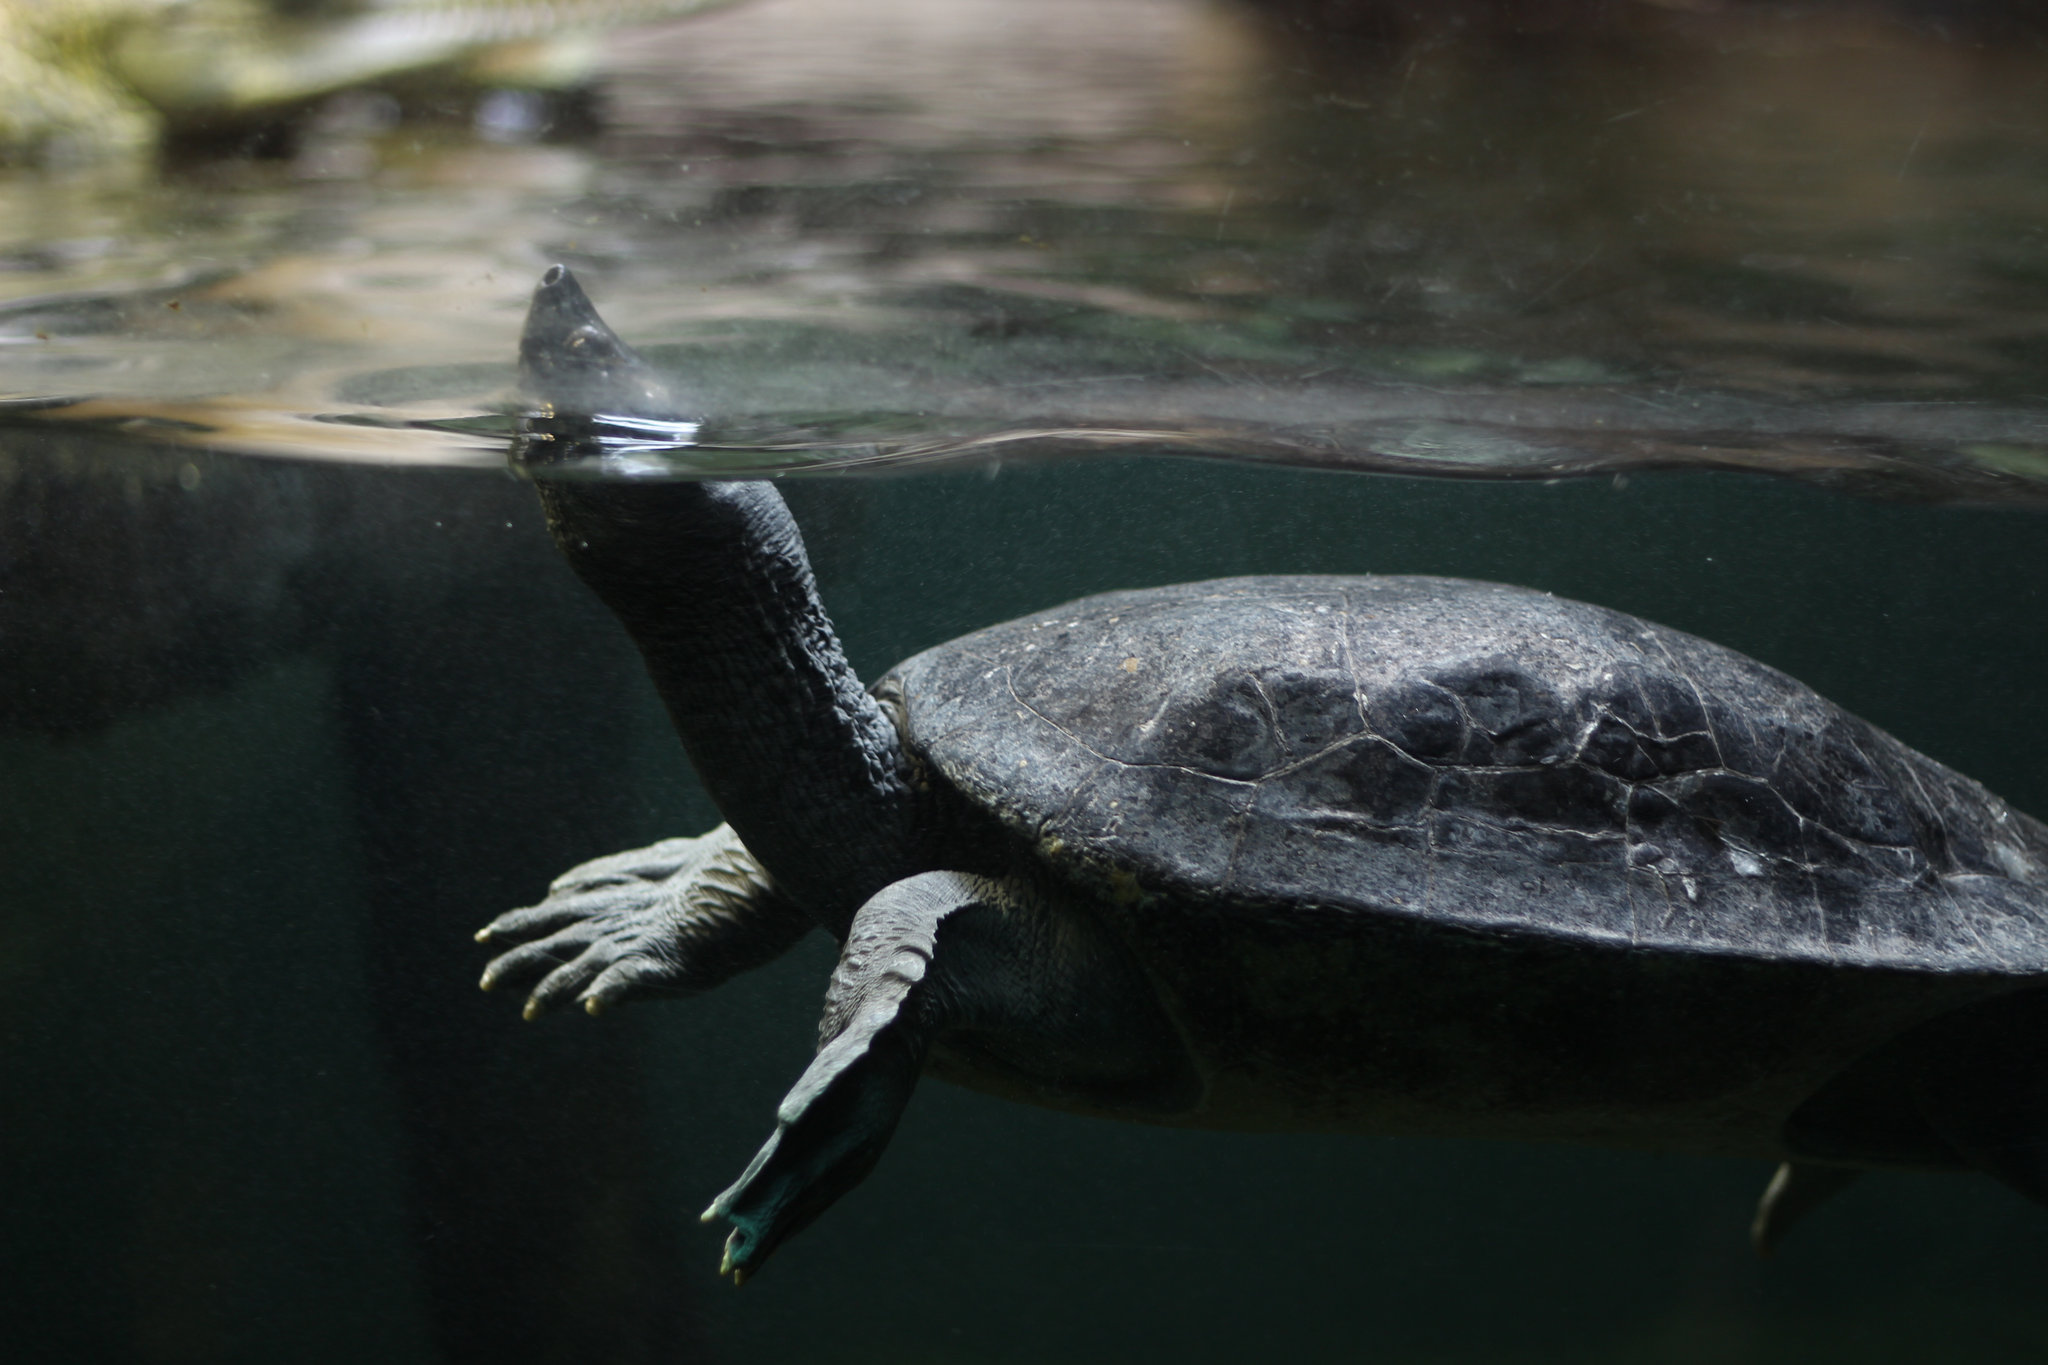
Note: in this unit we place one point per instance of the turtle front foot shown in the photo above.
(674, 918)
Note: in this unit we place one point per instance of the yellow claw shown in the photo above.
(483, 935)
(593, 1006)
(486, 982)
(531, 1012)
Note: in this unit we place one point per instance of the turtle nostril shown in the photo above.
(554, 274)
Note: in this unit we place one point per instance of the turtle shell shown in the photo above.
(1484, 756)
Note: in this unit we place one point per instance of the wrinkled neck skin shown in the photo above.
(712, 582)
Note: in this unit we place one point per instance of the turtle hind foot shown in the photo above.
(832, 1126)
(1023, 988)
(675, 918)
(828, 1136)
(1795, 1190)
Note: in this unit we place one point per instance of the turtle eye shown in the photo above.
(591, 342)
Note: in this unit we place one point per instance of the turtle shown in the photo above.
(1390, 855)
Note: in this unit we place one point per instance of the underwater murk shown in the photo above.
(1729, 317)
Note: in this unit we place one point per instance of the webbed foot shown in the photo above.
(674, 918)
(831, 1128)
(829, 1133)
(1025, 989)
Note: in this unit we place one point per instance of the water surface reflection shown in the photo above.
(865, 234)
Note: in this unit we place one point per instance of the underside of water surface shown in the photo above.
(1476, 246)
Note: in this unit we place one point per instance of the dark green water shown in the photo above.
(277, 734)
(259, 1094)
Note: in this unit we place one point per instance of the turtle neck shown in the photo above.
(712, 583)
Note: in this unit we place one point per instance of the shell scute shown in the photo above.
(1421, 719)
(1639, 726)
(1573, 798)
(1312, 710)
(1226, 731)
(1513, 716)
(1365, 781)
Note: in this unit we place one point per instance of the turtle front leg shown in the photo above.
(1026, 995)
(674, 918)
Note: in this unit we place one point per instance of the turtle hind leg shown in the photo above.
(1983, 1088)
(832, 1126)
(1021, 991)
(1795, 1190)
(1966, 1090)
(2017, 1159)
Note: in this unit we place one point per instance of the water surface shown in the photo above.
(1804, 243)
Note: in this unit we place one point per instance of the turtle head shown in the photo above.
(573, 365)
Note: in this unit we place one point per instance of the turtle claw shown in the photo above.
(726, 1266)
(671, 919)
(759, 1223)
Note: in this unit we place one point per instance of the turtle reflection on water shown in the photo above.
(1386, 855)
